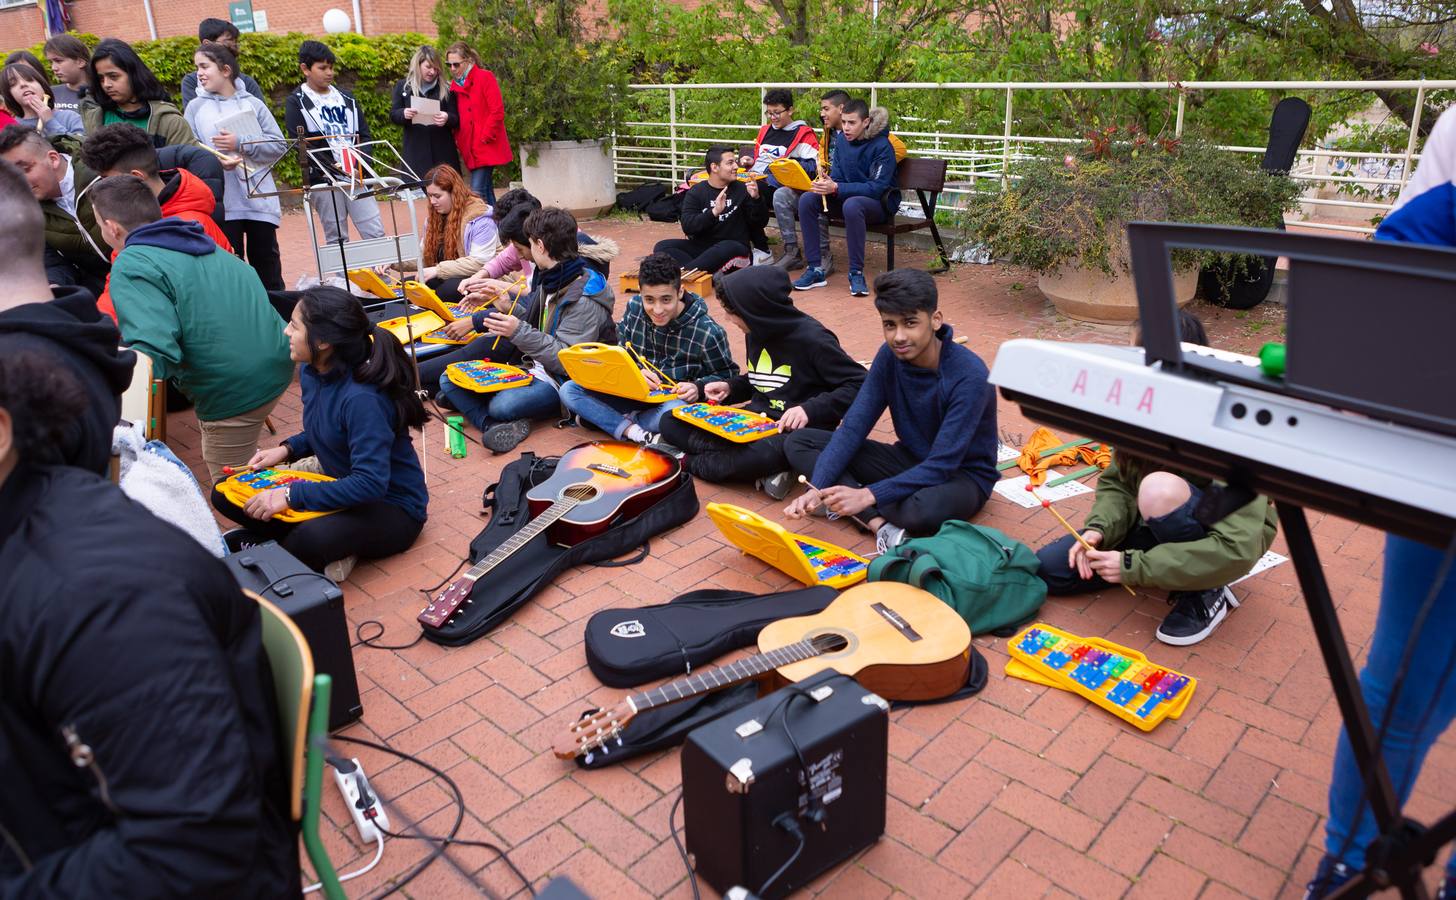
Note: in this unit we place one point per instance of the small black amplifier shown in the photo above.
(806, 760)
(316, 606)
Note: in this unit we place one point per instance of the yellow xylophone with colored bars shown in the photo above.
(484, 377)
(1119, 679)
(741, 426)
(695, 280)
(242, 487)
(810, 560)
(609, 369)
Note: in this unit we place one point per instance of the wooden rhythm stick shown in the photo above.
(520, 280)
(1047, 505)
(225, 158)
(668, 382)
(830, 514)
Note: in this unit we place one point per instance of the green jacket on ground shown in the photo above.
(77, 238)
(202, 316)
(164, 121)
(1225, 553)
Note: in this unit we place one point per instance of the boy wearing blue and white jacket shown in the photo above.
(859, 190)
(943, 465)
(250, 222)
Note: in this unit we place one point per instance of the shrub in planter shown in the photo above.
(1069, 216)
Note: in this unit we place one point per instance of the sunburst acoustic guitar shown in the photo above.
(896, 640)
(594, 485)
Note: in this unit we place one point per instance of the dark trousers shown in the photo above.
(702, 253)
(1176, 527)
(370, 531)
(921, 513)
(480, 348)
(714, 459)
(447, 289)
(257, 242)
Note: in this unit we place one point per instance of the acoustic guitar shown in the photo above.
(595, 485)
(896, 640)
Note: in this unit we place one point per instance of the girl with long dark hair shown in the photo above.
(123, 89)
(358, 408)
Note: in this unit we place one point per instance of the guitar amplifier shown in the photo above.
(807, 759)
(316, 606)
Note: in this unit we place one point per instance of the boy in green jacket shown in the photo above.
(200, 314)
(1144, 534)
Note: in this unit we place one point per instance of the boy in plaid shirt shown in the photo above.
(671, 329)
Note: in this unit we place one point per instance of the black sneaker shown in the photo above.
(1329, 877)
(505, 436)
(1195, 614)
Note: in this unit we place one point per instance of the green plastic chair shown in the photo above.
(303, 713)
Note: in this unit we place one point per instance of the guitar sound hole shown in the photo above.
(581, 492)
(830, 642)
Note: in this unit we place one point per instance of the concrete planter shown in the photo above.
(576, 175)
(1094, 296)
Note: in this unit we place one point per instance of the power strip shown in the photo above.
(363, 803)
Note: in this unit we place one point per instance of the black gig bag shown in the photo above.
(629, 647)
(532, 567)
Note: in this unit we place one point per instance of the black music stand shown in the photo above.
(1393, 298)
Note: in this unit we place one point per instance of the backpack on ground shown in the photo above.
(639, 198)
(985, 576)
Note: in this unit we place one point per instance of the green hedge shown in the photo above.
(368, 67)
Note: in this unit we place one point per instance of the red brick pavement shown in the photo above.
(1022, 791)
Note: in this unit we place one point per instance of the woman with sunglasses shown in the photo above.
(481, 135)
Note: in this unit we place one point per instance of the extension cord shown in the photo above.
(362, 802)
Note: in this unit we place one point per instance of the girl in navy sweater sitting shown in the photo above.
(358, 407)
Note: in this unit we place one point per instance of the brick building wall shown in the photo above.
(22, 26)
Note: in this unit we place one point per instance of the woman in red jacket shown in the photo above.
(481, 136)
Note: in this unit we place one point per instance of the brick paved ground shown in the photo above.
(1023, 791)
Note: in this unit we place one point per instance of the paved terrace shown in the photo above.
(1023, 791)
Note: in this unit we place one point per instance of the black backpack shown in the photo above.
(639, 198)
(667, 208)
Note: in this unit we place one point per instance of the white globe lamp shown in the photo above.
(336, 21)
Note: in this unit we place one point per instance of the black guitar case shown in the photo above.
(531, 568)
(1219, 284)
(629, 647)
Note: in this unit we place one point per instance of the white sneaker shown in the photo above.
(761, 257)
(340, 569)
(887, 538)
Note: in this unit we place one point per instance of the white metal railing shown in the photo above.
(667, 150)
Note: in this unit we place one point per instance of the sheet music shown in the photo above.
(1268, 561)
(425, 110)
(243, 125)
(1014, 489)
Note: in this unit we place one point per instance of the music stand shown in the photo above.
(1393, 298)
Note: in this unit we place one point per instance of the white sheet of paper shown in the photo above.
(243, 125)
(1268, 561)
(1014, 489)
(425, 110)
(1005, 452)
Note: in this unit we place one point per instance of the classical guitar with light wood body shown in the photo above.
(896, 640)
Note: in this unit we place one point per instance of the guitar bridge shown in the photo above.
(609, 470)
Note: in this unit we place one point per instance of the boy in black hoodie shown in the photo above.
(334, 128)
(62, 323)
(797, 373)
(719, 216)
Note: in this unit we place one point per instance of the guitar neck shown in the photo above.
(722, 676)
(516, 541)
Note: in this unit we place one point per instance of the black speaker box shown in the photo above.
(316, 605)
(810, 758)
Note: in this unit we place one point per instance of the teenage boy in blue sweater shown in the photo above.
(858, 189)
(944, 464)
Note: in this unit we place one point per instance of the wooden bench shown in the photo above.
(926, 177)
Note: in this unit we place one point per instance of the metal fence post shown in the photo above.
(1415, 133)
(1006, 145)
(672, 131)
(1178, 126)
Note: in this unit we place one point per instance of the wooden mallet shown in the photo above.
(830, 514)
(1047, 505)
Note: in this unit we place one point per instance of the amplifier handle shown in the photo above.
(278, 584)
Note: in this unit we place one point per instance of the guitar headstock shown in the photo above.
(598, 729)
(447, 604)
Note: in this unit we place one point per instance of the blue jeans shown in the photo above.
(537, 400)
(858, 212)
(481, 184)
(1410, 569)
(613, 414)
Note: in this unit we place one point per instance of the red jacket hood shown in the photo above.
(191, 195)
